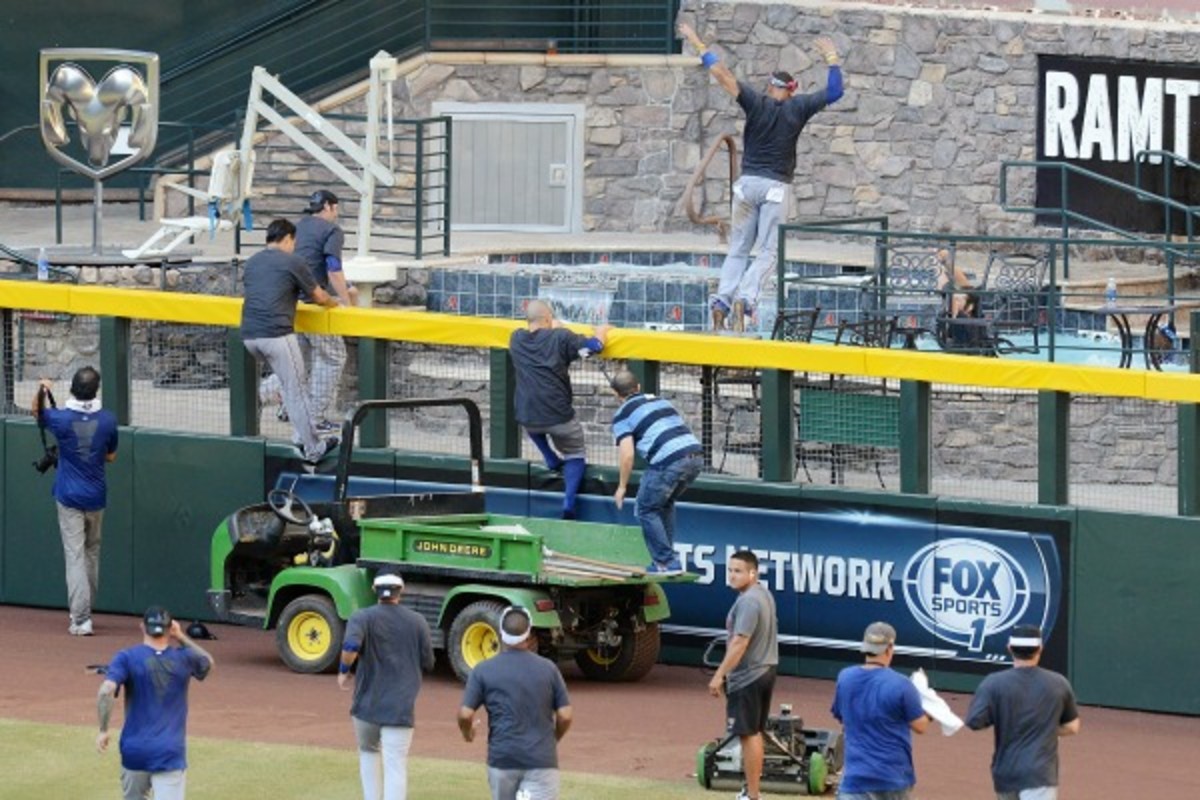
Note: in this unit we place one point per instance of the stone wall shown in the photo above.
(935, 100)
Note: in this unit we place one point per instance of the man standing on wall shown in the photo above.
(87, 443)
(274, 281)
(761, 195)
(879, 710)
(392, 646)
(1030, 708)
(746, 674)
(155, 676)
(528, 713)
(651, 427)
(541, 354)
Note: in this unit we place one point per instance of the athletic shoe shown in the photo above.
(665, 570)
(328, 446)
(82, 629)
(281, 414)
(325, 427)
(744, 795)
(720, 310)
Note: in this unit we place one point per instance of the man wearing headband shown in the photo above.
(391, 646)
(1030, 708)
(774, 120)
(528, 712)
(879, 710)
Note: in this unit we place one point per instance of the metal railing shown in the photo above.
(689, 194)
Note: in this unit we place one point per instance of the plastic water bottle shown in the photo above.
(1110, 292)
(43, 265)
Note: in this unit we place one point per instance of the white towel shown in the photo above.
(935, 706)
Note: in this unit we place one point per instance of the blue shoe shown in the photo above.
(665, 570)
(720, 312)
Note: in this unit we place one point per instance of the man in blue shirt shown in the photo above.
(87, 441)
(528, 712)
(155, 676)
(774, 120)
(879, 710)
(653, 428)
(542, 354)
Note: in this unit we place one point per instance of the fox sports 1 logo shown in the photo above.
(965, 590)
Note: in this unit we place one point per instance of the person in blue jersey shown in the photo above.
(774, 120)
(87, 443)
(651, 427)
(879, 710)
(155, 676)
(542, 353)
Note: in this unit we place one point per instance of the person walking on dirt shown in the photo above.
(879, 710)
(528, 713)
(87, 443)
(275, 280)
(544, 403)
(1030, 709)
(392, 646)
(155, 675)
(651, 427)
(761, 196)
(746, 674)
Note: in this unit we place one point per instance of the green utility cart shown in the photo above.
(303, 569)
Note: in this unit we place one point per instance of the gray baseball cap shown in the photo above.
(877, 638)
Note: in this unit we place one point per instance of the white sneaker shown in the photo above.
(82, 629)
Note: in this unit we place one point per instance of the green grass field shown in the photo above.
(60, 761)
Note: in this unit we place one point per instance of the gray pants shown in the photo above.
(283, 355)
(137, 785)
(759, 206)
(523, 784)
(382, 759)
(1038, 793)
(81, 551)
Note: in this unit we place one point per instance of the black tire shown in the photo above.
(309, 634)
(631, 660)
(474, 636)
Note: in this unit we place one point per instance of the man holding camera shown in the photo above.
(87, 442)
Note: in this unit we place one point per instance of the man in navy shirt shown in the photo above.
(155, 676)
(541, 354)
(528, 713)
(653, 428)
(761, 196)
(87, 441)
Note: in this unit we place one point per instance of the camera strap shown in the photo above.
(41, 423)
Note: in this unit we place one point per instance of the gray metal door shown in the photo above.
(515, 167)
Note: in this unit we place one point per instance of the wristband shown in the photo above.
(708, 58)
(343, 668)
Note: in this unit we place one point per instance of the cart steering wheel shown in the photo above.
(284, 503)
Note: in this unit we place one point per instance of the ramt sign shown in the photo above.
(1099, 114)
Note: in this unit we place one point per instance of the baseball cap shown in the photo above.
(388, 584)
(877, 638)
(156, 620)
(318, 199)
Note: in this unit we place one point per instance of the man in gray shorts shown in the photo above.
(392, 646)
(528, 712)
(275, 280)
(1030, 708)
(747, 672)
(542, 354)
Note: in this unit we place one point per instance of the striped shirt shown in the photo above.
(660, 435)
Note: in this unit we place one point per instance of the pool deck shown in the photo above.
(28, 227)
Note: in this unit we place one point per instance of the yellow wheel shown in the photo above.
(474, 636)
(309, 634)
(629, 659)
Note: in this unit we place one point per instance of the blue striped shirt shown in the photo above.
(660, 435)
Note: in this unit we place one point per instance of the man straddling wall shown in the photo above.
(762, 194)
(87, 443)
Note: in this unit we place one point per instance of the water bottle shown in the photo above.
(1110, 292)
(43, 266)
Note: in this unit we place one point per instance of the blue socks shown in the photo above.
(553, 461)
(573, 471)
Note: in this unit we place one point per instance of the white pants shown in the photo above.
(327, 355)
(137, 785)
(283, 355)
(80, 532)
(383, 759)
(759, 206)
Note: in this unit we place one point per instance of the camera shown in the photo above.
(49, 460)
